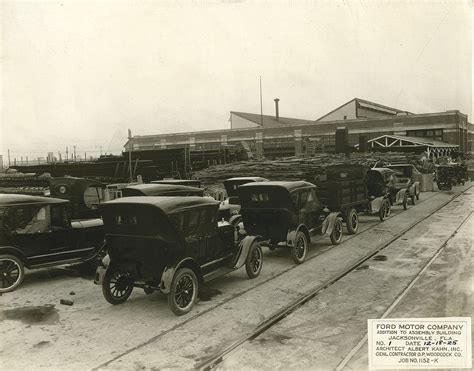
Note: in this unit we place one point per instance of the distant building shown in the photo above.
(275, 136)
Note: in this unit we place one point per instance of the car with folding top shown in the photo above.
(399, 190)
(171, 245)
(408, 176)
(286, 214)
(159, 189)
(230, 207)
(37, 232)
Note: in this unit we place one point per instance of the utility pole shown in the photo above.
(67, 154)
(8, 157)
(74, 153)
(129, 153)
(261, 103)
(60, 158)
(85, 156)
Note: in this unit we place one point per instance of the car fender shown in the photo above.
(400, 196)
(376, 204)
(11, 250)
(168, 273)
(291, 236)
(244, 249)
(329, 223)
(417, 188)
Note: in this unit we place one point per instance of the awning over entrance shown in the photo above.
(432, 147)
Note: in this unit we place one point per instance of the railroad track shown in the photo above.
(218, 357)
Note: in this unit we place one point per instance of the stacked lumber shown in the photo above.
(294, 168)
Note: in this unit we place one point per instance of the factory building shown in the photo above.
(274, 136)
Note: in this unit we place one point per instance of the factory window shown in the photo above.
(436, 134)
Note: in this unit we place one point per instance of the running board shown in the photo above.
(217, 273)
(58, 262)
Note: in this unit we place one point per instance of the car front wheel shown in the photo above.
(336, 234)
(352, 221)
(183, 293)
(117, 286)
(405, 202)
(253, 264)
(298, 252)
(12, 273)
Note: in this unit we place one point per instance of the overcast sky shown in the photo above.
(82, 73)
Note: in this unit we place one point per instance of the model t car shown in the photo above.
(408, 177)
(350, 190)
(84, 195)
(170, 244)
(36, 232)
(398, 190)
(161, 190)
(286, 214)
(230, 207)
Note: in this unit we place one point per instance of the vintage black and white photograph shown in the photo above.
(236, 184)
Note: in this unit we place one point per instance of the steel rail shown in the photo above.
(225, 301)
(217, 358)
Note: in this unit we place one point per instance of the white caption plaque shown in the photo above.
(419, 343)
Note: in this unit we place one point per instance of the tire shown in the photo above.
(117, 286)
(412, 198)
(405, 202)
(383, 210)
(388, 209)
(12, 273)
(336, 234)
(352, 221)
(253, 264)
(183, 292)
(298, 251)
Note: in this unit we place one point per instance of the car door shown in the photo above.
(64, 239)
(29, 229)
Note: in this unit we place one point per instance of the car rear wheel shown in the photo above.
(12, 273)
(183, 293)
(383, 210)
(117, 286)
(298, 252)
(352, 221)
(253, 264)
(412, 200)
(388, 209)
(336, 234)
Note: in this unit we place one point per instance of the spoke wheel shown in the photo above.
(412, 200)
(253, 264)
(183, 293)
(352, 221)
(117, 286)
(298, 252)
(388, 208)
(12, 273)
(383, 210)
(336, 235)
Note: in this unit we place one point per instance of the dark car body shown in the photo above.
(84, 195)
(150, 240)
(185, 182)
(38, 232)
(160, 190)
(231, 205)
(398, 191)
(286, 212)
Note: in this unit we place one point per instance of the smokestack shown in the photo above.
(277, 116)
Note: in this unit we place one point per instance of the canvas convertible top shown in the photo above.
(18, 199)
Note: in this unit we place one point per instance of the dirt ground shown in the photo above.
(40, 333)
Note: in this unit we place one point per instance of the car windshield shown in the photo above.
(267, 198)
